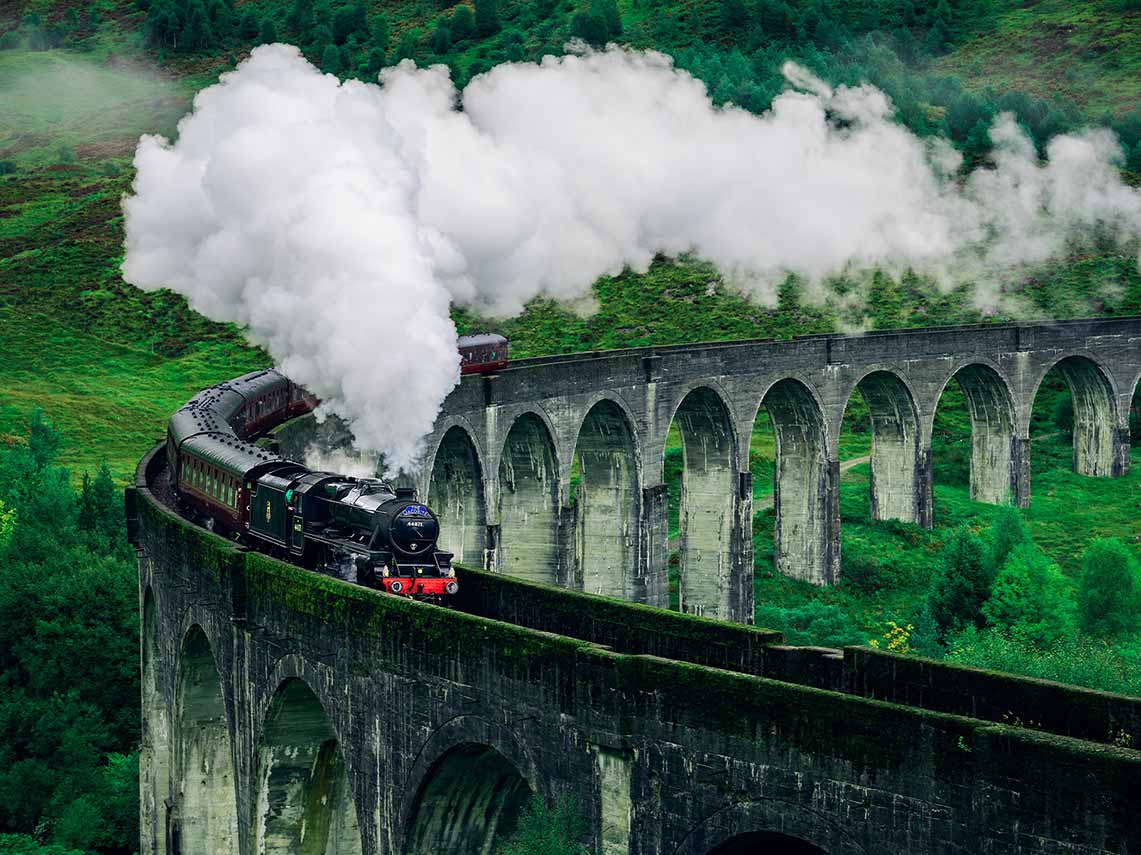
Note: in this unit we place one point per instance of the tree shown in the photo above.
(376, 60)
(268, 33)
(406, 49)
(549, 830)
(7, 525)
(300, 19)
(1030, 600)
(938, 39)
(441, 40)
(68, 656)
(380, 33)
(608, 9)
(331, 60)
(463, 23)
(349, 20)
(962, 584)
(162, 26)
(486, 18)
(734, 15)
(100, 513)
(249, 27)
(1063, 415)
(589, 27)
(222, 21)
(1109, 590)
(1007, 532)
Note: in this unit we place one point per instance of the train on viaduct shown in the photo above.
(285, 711)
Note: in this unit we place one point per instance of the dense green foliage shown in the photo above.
(543, 829)
(962, 584)
(1086, 662)
(68, 634)
(1030, 599)
(1109, 590)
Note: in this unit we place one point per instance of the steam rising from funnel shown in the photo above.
(337, 222)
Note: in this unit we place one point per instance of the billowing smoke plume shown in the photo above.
(338, 221)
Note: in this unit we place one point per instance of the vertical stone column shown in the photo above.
(655, 552)
(1020, 471)
(807, 535)
(830, 521)
(895, 429)
(1095, 443)
(1120, 452)
(924, 489)
(741, 605)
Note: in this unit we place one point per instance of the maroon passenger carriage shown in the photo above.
(481, 354)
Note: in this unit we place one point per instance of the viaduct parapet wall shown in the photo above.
(509, 450)
(288, 712)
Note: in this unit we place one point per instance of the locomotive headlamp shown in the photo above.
(384, 570)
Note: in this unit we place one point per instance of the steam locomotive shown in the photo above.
(360, 529)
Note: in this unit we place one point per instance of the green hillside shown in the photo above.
(107, 364)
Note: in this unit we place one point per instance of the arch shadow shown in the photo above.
(1094, 414)
(608, 503)
(706, 507)
(304, 802)
(895, 485)
(995, 462)
(805, 540)
(204, 815)
(528, 544)
(455, 493)
(468, 803)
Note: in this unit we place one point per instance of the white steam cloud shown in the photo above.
(338, 221)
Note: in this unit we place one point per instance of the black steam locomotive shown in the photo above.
(357, 528)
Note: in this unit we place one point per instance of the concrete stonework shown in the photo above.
(357, 722)
(612, 411)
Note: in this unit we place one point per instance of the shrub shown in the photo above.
(549, 830)
(1030, 599)
(813, 623)
(1109, 590)
(462, 23)
(963, 579)
(1007, 532)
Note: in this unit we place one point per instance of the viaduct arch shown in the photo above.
(285, 711)
(553, 469)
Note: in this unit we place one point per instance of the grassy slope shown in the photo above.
(1086, 52)
(106, 362)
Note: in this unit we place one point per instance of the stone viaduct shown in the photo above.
(508, 448)
(286, 712)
